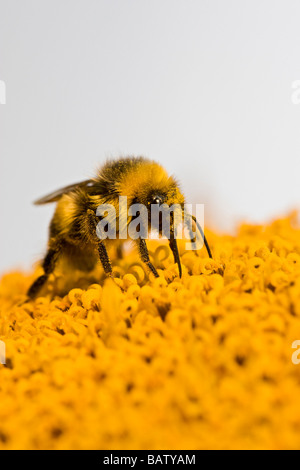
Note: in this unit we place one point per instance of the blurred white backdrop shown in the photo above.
(203, 86)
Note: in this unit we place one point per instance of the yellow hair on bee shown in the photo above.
(145, 177)
(142, 178)
(65, 213)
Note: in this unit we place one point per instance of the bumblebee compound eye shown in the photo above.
(157, 200)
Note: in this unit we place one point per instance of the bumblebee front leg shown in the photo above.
(144, 254)
(174, 248)
(104, 258)
(48, 266)
(103, 255)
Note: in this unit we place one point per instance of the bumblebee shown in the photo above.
(72, 231)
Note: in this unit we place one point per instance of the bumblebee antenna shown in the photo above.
(202, 234)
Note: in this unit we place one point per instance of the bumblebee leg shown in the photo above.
(104, 258)
(48, 266)
(103, 255)
(36, 286)
(144, 254)
(92, 224)
(174, 248)
(203, 236)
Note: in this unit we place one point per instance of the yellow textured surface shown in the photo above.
(198, 363)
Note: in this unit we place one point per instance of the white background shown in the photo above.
(204, 87)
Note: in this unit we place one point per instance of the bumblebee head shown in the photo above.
(168, 193)
(163, 201)
(159, 193)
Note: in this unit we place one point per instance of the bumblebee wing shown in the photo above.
(56, 195)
